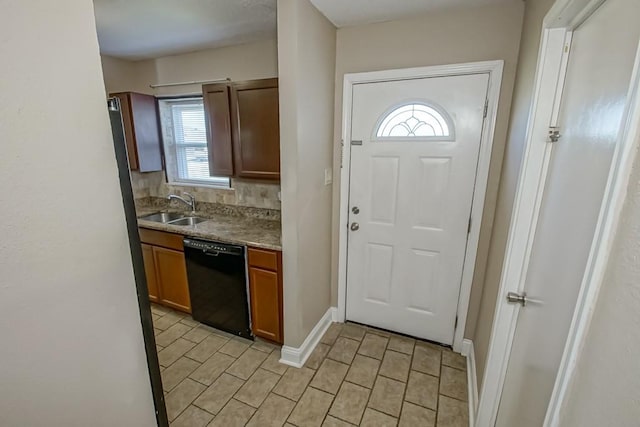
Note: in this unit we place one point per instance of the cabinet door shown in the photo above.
(257, 129)
(150, 272)
(218, 122)
(265, 304)
(146, 130)
(171, 274)
(141, 131)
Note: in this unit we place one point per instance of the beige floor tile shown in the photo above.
(181, 396)
(171, 334)
(293, 383)
(157, 332)
(234, 347)
(414, 415)
(257, 388)
(395, 365)
(401, 344)
(363, 371)
(350, 403)
(426, 360)
(272, 363)
(452, 413)
(317, 356)
(455, 360)
(174, 351)
(453, 383)
(214, 398)
(373, 346)
(212, 368)
(273, 413)
(188, 320)
(329, 376)
(374, 418)
(166, 321)
(234, 414)
(355, 332)
(380, 332)
(174, 374)
(192, 417)
(312, 408)
(344, 350)
(422, 389)
(265, 346)
(206, 348)
(387, 396)
(159, 310)
(332, 333)
(155, 317)
(197, 334)
(247, 364)
(335, 422)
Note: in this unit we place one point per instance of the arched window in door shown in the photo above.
(415, 120)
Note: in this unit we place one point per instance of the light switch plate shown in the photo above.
(328, 176)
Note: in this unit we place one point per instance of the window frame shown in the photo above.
(427, 103)
(170, 148)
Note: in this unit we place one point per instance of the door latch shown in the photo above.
(515, 298)
(554, 134)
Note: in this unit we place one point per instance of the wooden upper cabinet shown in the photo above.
(218, 122)
(254, 108)
(141, 131)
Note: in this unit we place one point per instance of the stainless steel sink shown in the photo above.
(163, 217)
(187, 221)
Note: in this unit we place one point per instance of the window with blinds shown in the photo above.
(185, 140)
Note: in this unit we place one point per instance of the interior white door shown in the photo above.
(414, 155)
(598, 77)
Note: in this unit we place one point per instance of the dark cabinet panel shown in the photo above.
(254, 108)
(141, 131)
(218, 122)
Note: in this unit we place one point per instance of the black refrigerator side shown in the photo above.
(138, 263)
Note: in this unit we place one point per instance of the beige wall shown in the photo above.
(306, 62)
(522, 97)
(452, 36)
(72, 350)
(606, 386)
(241, 62)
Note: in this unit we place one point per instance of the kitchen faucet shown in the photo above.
(191, 202)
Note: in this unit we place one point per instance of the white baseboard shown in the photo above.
(296, 357)
(472, 379)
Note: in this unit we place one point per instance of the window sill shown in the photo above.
(211, 186)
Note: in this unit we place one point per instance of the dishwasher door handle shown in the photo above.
(216, 253)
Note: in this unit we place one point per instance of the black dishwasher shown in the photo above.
(218, 285)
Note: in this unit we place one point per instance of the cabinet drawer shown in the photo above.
(161, 238)
(263, 258)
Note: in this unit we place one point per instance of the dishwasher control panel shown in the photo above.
(213, 246)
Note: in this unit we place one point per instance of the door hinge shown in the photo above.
(486, 108)
(469, 226)
(554, 134)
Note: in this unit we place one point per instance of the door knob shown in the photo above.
(515, 298)
(355, 226)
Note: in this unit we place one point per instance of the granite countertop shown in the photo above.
(260, 233)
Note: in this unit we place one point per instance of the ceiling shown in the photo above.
(345, 13)
(143, 29)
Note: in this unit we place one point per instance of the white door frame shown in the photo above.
(563, 18)
(494, 70)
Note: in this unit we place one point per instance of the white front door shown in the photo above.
(414, 155)
(591, 114)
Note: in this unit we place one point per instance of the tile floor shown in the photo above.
(356, 376)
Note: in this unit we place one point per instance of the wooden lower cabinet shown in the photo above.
(166, 269)
(265, 287)
(150, 272)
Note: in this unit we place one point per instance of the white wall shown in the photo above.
(306, 62)
(606, 386)
(447, 37)
(72, 349)
(535, 12)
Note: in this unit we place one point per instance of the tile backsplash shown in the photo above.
(246, 193)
